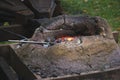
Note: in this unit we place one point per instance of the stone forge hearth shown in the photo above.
(75, 44)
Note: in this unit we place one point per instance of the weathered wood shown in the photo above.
(41, 8)
(13, 60)
(6, 73)
(8, 31)
(109, 74)
(15, 6)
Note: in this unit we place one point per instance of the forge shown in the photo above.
(74, 44)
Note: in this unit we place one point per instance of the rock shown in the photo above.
(92, 50)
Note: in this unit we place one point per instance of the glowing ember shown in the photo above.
(69, 38)
(65, 39)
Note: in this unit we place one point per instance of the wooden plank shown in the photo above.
(10, 31)
(15, 6)
(5, 71)
(21, 69)
(41, 8)
(108, 74)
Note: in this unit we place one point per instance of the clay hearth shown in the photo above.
(93, 48)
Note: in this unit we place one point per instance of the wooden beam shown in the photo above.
(6, 73)
(13, 60)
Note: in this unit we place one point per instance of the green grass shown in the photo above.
(108, 9)
(5, 42)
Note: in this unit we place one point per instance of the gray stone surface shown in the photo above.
(96, 51)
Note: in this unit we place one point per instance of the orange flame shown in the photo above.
(67, 38)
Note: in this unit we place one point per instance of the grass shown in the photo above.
(6, 42)
(108, 9)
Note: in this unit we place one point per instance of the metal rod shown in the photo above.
(30, 42)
